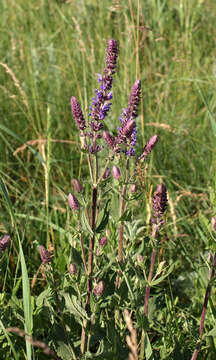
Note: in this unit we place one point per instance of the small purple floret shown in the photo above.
(4, 242)
(44, 254)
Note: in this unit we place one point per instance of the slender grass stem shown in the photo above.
(147, 294)
(205, 303)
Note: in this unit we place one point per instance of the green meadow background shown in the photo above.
(51, 50)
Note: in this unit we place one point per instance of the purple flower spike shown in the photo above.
(4, 242)
(127, 132)
(159, 207)
(98, 290)
(134, 100)
(77, 114)
(73, 202)
(110, 140)
(44, 254)
(111, 60)
(148, 147)
(101, 101)
(160, 201)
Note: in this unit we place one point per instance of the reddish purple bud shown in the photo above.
(77, 185)
(213, 223)
(103, 241)
(44, 254)
(133, 188)
(106, 173)
(159, 201)
(140, 258)
(110, 140)
(73, 202)
(116, 172)
(148, 147)
(77, 114)
(72, 269)
(210, 258)
(4, 242)
(98, 290)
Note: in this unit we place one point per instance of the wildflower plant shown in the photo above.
(120, 167)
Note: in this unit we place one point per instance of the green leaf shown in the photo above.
(46, 294)
(126, 216)
(63, 351)
(76, 257)
(160, 279)
(148, 348)
(105, 218)
(85, 224)
(16, 357)
(72, 305)
(212, 332)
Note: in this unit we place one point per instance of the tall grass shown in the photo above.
(51, 50)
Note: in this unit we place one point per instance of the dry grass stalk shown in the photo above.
(34, 342)
(39, 142)
(132, 338)
(16, 83)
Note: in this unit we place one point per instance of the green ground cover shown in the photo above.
(51, 50)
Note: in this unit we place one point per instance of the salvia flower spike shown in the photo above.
(73, 202)
(148, 147)
(127, 132)
(77, 114)
(101, 101)
(4, 242)
(44, 254)
(160, 201)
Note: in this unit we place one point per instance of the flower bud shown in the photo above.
(139, 258)
(73, 202)
(148, 147)
(72, 269)
(213, 223)
(106, 174)
(98, 290)
(77, 185)
(116, 172)
(103, 241)
(44, 254)
(133, 188)
(4, 242)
